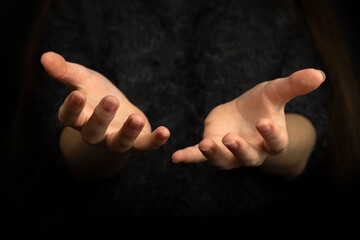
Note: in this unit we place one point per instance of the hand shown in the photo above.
(100, 111)
(252, 127)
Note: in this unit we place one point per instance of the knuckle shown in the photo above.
(128, 136)
(90, 138)
(250, 163)
(154, 146)
(65, 118)
(122, 144)
(61, 117)
(121, 148)
(227, 164)
(280, 148)
(100, 120)
(278, 144)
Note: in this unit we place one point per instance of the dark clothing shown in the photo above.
(176, 60)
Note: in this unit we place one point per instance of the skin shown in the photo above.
(103, 127)
(253, 129)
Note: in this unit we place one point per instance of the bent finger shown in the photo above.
(94, 129)
(152, 141)
(71, 111)
(218, 156)
(124, 139)
(188, 155)
(242, 150)
(275, 137)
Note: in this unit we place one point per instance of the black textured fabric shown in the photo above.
(176, 60)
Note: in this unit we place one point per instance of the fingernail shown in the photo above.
(164, 135)
(206, 146)
(135, 124)
(76, 99)
(324, 75)
(264, 127)
(205, 149)
(232, 145)
(108, 106)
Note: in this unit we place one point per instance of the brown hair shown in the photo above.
(345, 132)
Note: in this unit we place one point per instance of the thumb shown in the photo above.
(302, 82)
(71, 74)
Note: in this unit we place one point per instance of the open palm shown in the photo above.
(100, 111)
(246, 130)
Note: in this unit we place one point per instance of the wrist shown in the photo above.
(292, 162)
(88, 162)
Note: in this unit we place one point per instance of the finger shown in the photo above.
(188, 155)
(124, 139)
(242, 150)
(275, 137)
(94, 129)
(152, 141)
(218, 156)
(71, 111)
(71, 74)
(301, 82)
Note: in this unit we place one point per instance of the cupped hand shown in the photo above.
(100, 111)
(250, 128)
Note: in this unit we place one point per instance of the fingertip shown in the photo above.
(136, 122)
(162, 133)
(46, 57)
(182, 156)
(306, 80)
(316, 78)
(323, 74)
(264, 127)
(160, 136)
(110, 104)
(176, 157)
(54, 64)
(275, 136)
(70, 112)
(151, 141)
(77, 98)
(229, 138)
(188, 155)
(206, 145)
(230, 141)
(218, 156)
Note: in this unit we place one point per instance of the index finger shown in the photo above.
(189, 155)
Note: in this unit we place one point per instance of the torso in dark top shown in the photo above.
(176, 60)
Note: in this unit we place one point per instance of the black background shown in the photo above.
(16, 22)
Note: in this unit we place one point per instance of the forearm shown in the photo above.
(88, 162)
(302, 138)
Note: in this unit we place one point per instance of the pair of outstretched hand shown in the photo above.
(242, 132)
